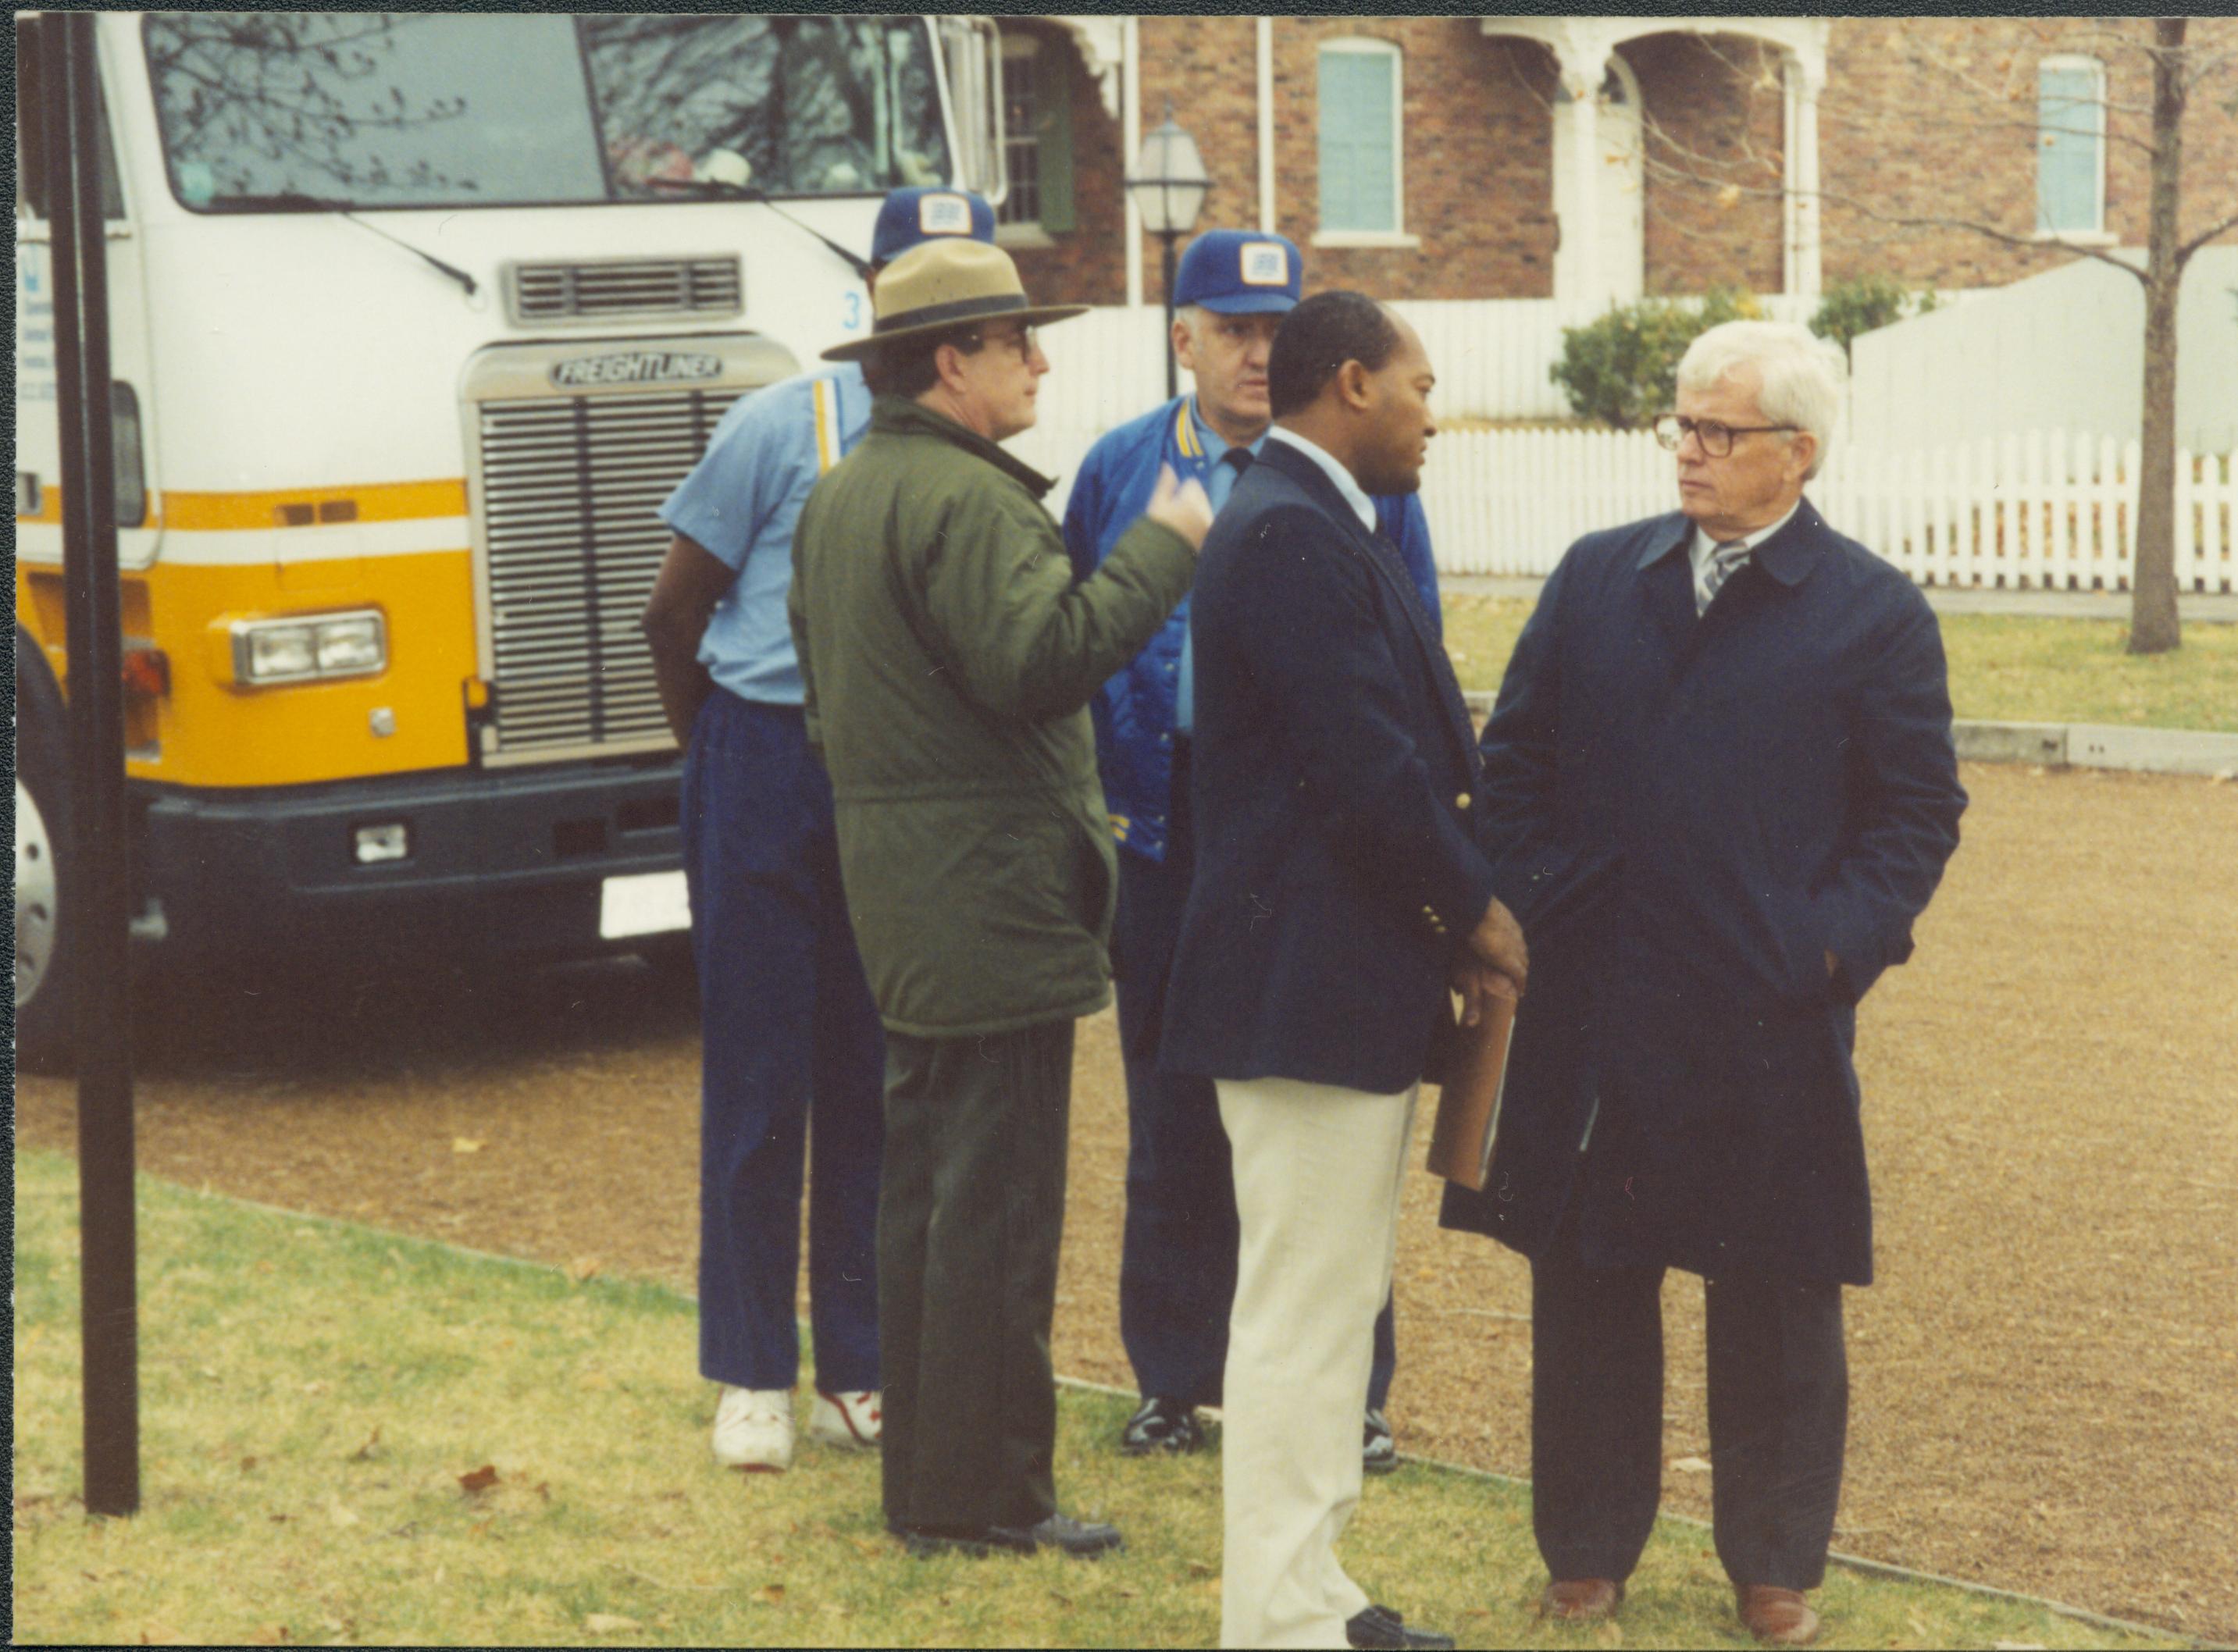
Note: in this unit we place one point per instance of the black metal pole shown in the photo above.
(1173, 368)
(95, 894)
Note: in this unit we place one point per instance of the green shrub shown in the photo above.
(1864, 302)
(1623, 367)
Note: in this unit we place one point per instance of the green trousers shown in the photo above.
(971, 1211)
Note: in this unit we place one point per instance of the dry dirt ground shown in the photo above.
(2044, 1380)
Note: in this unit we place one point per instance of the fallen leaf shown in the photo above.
(466, 1144)
(364, 1453)
(582, 1267)
(1690, 1465)
(479, 1479)
(247, 1464)
(608, 1623)
(340, 1514)
(543, 1489)
(771, 1593)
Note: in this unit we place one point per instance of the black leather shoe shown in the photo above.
(1161, 1425)
(1075, 1537)
(1381, 1628)
(1081, 1539)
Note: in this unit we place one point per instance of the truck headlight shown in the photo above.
(306, 650)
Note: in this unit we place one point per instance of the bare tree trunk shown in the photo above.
(2154, 626)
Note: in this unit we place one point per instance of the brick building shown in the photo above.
(1460, 157)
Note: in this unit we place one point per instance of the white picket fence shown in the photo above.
(2046, 511)
(2043, 512)
(1492, 358)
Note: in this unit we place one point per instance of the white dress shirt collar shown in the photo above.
(1363, 506)
(1703, 547)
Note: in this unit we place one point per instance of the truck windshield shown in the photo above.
(420, 110)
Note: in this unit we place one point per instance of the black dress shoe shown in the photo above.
(1081, 1539)
(1075, 1537)
(1161, 1425)
(1380, 1626)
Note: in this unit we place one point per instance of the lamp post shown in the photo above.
(1170, 184)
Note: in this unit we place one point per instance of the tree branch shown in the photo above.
(2184, 252)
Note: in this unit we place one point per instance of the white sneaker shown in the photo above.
(753, 1430)
(850, 1419)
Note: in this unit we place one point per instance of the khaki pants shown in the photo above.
(1317, 1177)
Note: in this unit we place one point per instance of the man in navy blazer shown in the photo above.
(1337, 892)
(1720, 787)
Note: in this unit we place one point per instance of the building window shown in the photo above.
(1359, 150)
(2071, 147)
(1036, 140)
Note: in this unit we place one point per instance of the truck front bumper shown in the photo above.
(511, 861)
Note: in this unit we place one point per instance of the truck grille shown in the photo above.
(620, 290)
(570, 486)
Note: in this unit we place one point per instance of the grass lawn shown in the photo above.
(317, 1398)
(2003, 668)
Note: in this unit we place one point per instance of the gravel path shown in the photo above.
(2045, 1381)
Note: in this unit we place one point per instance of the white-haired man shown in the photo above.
(1719, 787)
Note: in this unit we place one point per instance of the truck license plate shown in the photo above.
(644, 904)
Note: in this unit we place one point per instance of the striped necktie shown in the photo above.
(1725, 557)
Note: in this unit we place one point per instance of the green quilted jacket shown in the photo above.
(950, 658)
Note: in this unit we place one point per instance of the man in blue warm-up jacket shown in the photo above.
(1177, 1266)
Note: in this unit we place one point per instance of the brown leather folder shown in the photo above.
(1468, 1107)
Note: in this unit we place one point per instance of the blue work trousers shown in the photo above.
(788, 1030)
(1177, 1252)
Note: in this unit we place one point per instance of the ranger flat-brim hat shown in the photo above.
(943, 285)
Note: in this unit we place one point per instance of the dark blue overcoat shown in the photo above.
(1687, 815)
(1332, 786)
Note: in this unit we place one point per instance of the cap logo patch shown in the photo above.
(943, 215)
(1265, 263)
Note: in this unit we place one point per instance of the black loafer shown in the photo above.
(1161, 1425)
(1380, 1626)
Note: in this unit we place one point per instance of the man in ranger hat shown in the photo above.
(949, 657)
(787, 1025)
(1177, 1261)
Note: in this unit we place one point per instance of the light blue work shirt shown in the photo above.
(1219, 482)
(741, 501)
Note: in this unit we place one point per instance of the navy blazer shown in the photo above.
(1334, 782)
(1687, 815)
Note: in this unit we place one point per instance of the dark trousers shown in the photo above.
(1779, 1397)
(970, 1213)
(787, 1030)
(1177, 1252)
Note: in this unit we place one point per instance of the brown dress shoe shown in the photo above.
(1580, 1599)
(1778, 1617)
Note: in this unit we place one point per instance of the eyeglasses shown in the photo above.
(1025, 342)
(1717, 438)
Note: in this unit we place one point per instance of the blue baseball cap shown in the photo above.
(911, 217)
(1240, 272)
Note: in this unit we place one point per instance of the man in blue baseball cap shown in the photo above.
(1178, 1262)
(787, 1025)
